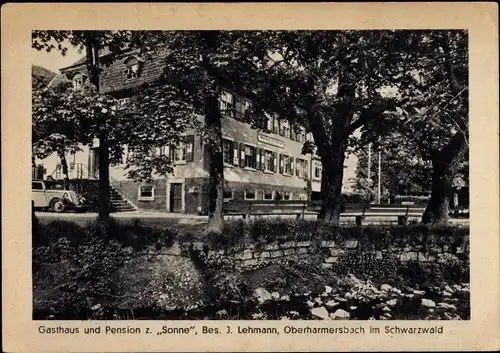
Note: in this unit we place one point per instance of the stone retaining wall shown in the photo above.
(252, 255)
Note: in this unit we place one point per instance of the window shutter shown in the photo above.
(234, 146)
(275, 162)
(262, 159)
(281, 164)
(190, 153)
(257, 158)
(171, 153)
(306, 167)
(242, 154)
(231, 151)
(291, 166)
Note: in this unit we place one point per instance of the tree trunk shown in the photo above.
(64, 165)
(216, 164)
(331, 182)
(437, 210)
(103, 153)
(93, 68)
(444, 168)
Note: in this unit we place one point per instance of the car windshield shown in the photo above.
(54, 186)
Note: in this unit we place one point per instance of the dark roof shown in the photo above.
(41, 76)
(114, 76)
(57, 80)
(81, 61)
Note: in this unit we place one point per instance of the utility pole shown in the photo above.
(379, 175)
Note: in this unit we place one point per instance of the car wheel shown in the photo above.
(57, 205)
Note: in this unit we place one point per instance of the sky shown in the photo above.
(54, 60)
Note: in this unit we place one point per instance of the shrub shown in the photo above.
(367, 266)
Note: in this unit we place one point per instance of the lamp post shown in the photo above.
(369, 162)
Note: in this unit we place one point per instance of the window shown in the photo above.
(270, 123)
(227, 104)
(146, 193)
(286, 165)
(227, 151)
(240, 107)
(285, 129)
(184, 151)
(268, 161)
(78, 81)
(287, 195)
(134, 66)
(301, 168)
(228, 194)
(281, 127)
(268, 195)
(276, 123)
(249, 195)
(180, 153)
(318, 169)
(36, 186)
(250, 160)
(301, 137)
(123, 102)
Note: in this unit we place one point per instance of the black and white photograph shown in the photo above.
(250, 175)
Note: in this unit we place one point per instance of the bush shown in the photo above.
(262, 231)
(366, 266)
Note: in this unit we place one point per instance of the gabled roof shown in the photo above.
(57, 80)
(41, 76)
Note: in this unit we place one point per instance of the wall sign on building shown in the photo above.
(270, 141)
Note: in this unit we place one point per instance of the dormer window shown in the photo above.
(78, 81)
(134, 65)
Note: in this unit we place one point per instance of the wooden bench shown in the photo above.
(300, 208)
(402, 212)
(246, 208)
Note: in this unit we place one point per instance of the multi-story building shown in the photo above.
(258, 165)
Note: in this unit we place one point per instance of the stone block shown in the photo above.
(351, 244)
(378, 255)
(304, 243)
(302, 251)
(426, 257)
(265, 255)
(288, 252)
(245, 255)
(408, 256)
(327, 243)
(336, 252)
(277, 253)
(272, 246)
(331, 260)
(288, 244)
(251, 262)
(326, 266)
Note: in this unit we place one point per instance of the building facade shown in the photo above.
(257, 165)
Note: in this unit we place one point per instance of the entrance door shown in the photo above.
(176, 197)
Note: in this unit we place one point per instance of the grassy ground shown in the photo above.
(194, 223)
